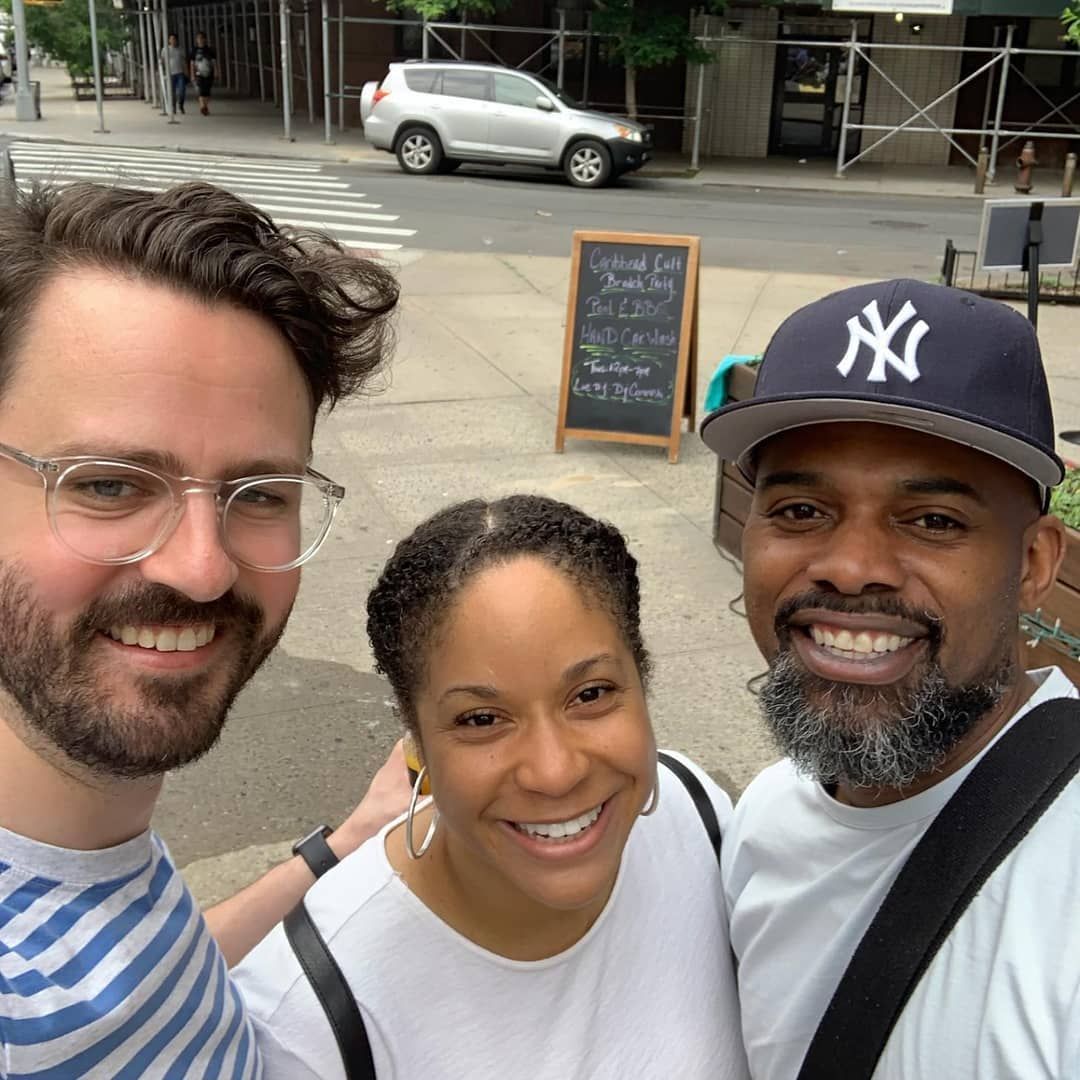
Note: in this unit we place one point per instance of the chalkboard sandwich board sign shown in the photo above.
(630, 355)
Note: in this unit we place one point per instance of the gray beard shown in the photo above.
(53, 691)
(872, 737)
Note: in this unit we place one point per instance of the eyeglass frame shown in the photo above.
(53, 470)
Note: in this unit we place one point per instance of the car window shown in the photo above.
(510, 90)
(465, 84)
(422, 80)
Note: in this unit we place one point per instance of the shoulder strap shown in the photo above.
(333, 993)
(988, 815)
(706, 810)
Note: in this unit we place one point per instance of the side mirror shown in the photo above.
(545, 103)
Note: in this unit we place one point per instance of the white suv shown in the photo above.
(434, 115)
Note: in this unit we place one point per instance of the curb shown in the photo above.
(20, 136)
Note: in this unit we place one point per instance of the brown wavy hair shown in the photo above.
(332, 307)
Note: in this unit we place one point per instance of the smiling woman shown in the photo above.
(563, 881)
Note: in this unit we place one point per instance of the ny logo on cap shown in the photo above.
(879, 338)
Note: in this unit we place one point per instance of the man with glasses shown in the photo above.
(156, 505)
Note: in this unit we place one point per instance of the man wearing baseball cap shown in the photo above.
(900, 443)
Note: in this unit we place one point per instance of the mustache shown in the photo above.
(156, 604)
(872, 604)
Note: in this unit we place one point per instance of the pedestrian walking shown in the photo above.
(203, 66)
(903, 885)
(137, 601)
(562, 870)
(173, 58)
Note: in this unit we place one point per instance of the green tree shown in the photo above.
(646, 34)
(1070, 18)
(63, 30)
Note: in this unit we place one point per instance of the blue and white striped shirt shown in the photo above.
(107, 970)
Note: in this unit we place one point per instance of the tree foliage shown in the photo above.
(1070, 19)
(646, 34)
(442, 9)
(63, 31)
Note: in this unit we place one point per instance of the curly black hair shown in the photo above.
(417, 587)
(331, 306)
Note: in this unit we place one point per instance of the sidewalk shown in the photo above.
(247, 126)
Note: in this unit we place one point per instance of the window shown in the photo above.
(465, 84)
(510, 90)
(422, 80)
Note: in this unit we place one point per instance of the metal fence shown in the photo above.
(960, 268)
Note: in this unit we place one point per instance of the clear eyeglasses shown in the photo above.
(115, 512)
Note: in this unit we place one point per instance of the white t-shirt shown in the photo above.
(804, 876)
(649, 992)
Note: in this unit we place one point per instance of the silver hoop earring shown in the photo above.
(410, 847)
(654, 800)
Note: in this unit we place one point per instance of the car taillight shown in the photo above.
(379, 95)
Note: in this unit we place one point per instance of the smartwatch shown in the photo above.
(315, 851)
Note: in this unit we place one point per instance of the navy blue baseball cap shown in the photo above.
(926, 357)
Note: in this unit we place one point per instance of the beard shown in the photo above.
(876, 736)
(54, 678)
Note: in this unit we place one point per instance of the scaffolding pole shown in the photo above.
(695, 150)
(328, 120)
(147, 81)
(999, 112)
(259, 52)
(341, 65)
(309, 82)
(99, 89)
(286, 70)
(275, 54)
(849, 82)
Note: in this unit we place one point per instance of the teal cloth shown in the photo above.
(716, 395)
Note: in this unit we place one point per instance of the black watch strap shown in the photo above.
(316, 852)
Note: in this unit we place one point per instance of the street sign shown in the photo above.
(1003, 238)
(889, 7)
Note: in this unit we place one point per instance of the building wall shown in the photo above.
(923, 76)
(738, 85)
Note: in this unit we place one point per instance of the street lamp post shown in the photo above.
(99, 91)
(24, 99)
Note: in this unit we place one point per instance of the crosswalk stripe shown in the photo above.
(337, 225)
(310, 199)
(108, 161)
(282, 208)
(57, 150)
(96, 172)
(370, 245)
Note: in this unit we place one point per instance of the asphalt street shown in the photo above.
(532, 213)
(372, 206)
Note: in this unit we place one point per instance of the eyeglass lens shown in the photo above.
(110, 513)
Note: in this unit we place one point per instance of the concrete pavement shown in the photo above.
(470, 410)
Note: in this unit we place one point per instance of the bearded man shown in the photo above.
(901, 446)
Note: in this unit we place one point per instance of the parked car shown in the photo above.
(434, 115)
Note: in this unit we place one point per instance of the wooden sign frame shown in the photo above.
(684, 400)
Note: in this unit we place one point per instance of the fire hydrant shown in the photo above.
(1024, 164)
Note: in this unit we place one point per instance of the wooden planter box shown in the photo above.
(732, 506)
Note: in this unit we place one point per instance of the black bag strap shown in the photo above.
(333, 993)
(987, 816)
(706, 810)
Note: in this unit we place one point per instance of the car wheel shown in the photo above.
(588, 164)
(449, 165)
(419, 151)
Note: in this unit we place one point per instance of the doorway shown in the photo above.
(808, 98)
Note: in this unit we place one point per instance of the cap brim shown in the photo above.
(735, 430)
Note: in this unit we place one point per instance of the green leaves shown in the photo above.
(1070, 19)
(1065, 499)
(435, 10)
(64, 31)
(647, 34)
